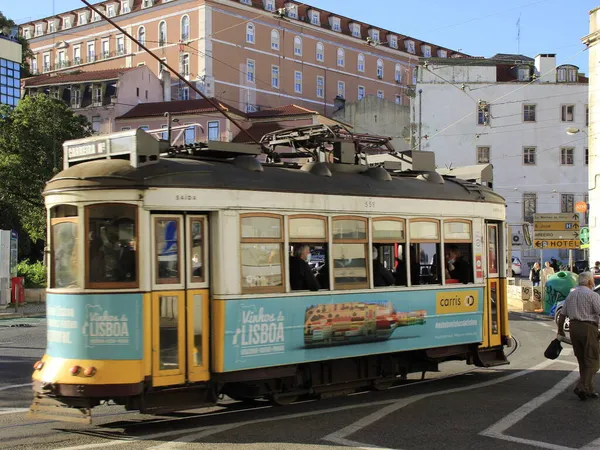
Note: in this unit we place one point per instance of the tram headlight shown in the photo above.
(38, 365)
(89, 372)
(75, 370)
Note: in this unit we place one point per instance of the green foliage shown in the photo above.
(31, 138)
(34, 273)
(6, 23)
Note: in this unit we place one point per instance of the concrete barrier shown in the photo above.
(524, 298)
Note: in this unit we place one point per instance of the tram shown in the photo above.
(169, 272)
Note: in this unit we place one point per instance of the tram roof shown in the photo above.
(220, 174)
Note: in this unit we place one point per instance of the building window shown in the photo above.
(356, 30)
(81, 19)
(185, 28)
(26, 33)
(483, 113)
(67, 22)
(380, 69)
(47, 65)
(51, 27)
(414, 76)
(528, 113)
(185, 65)
(380, 94)
(341, 57)
(523, 74)
(336, 24)
(320, 87)
(292, 10)
(34, 65)
(189, 135)
(275, 76)
(360, 64)
(250, 70)
(341, 89)
(320, 52)
(62, 59)
(274, 40)
(10, 82)
(141, 37)
(529, 156)
(586, 159)
(442, 53)
(185, 93)
(213, 131)
(91, 52)
(483, 155)
(120, 45)
(125, 7)
(246, 2)
(162, 34)
(566, 75)
(298, 46)
(409, 46)
(315, 18)
(361, 92)
(38, 30)
(250, 29)
(97, 96)
(110, 11)
(529, 207)
(398, 99)
(375, 35)
(426, 51)
(96, 124)
(587, 115)
(567, 113)
(75, 97)
(398, 73)
(567, 203)
(566, 156)
(105, 49)
(270, 5)
(77, 55)
(394, 41)
(298, 82)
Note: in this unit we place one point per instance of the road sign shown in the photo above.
(566, 244)
(584, 237)
(581, 207)
(553, 231)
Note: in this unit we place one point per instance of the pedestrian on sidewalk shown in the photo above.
(582, 307)
(535, 274)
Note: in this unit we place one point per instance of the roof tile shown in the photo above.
(281, 111)
(75, 77)
(178, 107)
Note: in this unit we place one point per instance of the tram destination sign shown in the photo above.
(86, 150)
(556, 231)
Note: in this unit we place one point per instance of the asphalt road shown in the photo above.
(527, 404)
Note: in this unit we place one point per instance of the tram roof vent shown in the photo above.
(379, 173)
(249, 163)
(431, 177)
(317, 168)
(139, 147)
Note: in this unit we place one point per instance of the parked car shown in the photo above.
(557, 310)
(516, 266)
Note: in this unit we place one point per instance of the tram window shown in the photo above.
(349, 252)
(197, 250)
(111, 231)
(168, 250)
(458, 249)
(311, 232)
(64, 230)
(168, 333)
(425, 267)
(388, 241)
(261, 253)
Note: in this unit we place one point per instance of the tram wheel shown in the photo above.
(383, 384)
(282, 400)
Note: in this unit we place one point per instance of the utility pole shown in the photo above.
(420, 115)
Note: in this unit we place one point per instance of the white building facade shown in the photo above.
(526, 117)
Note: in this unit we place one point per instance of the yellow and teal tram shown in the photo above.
(169, 277)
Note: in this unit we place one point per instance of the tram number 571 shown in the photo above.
(369, 203)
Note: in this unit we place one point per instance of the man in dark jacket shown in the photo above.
(381, 276)
(301, 275)
(458, 268)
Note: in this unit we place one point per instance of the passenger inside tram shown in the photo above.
(425, 264)
(458, 268)
(381, 275)
(302, 277)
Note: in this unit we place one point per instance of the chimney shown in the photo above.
(165, 78)
(545, 68)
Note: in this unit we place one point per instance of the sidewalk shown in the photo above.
(28, 310)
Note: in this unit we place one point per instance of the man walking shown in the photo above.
(582, 307)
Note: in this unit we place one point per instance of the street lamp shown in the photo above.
(573, 131)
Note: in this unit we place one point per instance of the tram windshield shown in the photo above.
(64, 224)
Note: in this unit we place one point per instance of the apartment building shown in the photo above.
(10, 70)
(251, 54)
(526, 116)
(99, 95)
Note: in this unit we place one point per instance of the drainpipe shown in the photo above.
(420, 115)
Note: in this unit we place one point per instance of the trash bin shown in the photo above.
(17, 285)
(557, 288)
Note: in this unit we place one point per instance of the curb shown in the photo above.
(7, 316)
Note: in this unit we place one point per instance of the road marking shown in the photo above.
(527, 318)
(339, 437)
(12, 410)
(14, 386)
(543, 324)
(497, 430)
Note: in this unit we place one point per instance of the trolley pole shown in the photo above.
(168, 116)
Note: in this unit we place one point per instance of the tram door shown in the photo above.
(180, 312)
(492, 309)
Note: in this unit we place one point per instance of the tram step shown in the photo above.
(491, 358)
(47, 408)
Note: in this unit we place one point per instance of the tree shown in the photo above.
(31, 138)
(7, 24)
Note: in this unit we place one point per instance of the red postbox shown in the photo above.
(17, 289)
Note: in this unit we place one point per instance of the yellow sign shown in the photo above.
(556, 226)
(566, 244)
(456, 302)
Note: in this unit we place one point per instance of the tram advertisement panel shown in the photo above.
(277, 331)
(101, 326)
